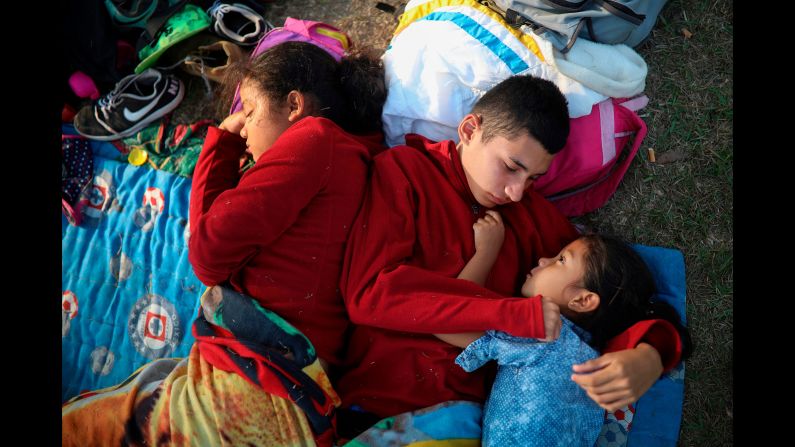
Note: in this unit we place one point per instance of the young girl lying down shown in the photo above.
(600, 287)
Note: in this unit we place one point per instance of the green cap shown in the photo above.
(184, 23)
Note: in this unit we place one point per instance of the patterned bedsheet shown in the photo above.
(129, 294)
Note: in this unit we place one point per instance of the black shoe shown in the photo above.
(136, 101)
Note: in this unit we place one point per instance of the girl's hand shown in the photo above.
(619, 378)
(552, 322)
(489, 233)
(234, 123)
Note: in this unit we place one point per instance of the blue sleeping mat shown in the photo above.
(129, 294)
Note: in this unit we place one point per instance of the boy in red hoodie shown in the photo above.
(413, 235)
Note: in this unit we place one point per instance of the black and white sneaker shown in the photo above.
(136, 101)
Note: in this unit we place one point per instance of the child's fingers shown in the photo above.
(591, 365)
(234, 122)
(493, 218)
(495, 215)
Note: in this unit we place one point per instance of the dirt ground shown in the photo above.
(366, 24)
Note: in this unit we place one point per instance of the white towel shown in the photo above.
(616, 71)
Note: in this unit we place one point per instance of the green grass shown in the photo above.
(688, 204)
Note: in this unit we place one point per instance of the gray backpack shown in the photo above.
(561, 21)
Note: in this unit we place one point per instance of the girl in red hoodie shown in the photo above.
(275, 233)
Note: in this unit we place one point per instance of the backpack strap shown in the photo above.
(575, 34)
(619, 10)
(635, 103)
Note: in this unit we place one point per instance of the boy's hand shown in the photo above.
(619, 378)
(234, 123)
(551, 319)
(489, 233)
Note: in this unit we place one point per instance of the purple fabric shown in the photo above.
(297, 30)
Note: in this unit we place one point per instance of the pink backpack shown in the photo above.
(584, 175)
(327, 37)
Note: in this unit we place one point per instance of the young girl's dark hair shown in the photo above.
(617, 273)
(351, 92)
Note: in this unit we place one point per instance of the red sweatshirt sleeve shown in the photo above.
(382, 289)
(230, 223)
(658, 333)
(216, 170)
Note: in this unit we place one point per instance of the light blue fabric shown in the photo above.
(129, 293)
(533, 401)
(453, 420)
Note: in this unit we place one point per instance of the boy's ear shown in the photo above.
(297, 105)
(585, 301)
(467, 127)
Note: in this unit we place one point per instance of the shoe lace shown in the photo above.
(111, 100)
(200, 60)
(108, 102)
(217, 11)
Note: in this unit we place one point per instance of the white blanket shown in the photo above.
(449, 55)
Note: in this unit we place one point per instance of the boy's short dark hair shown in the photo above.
(525, 103)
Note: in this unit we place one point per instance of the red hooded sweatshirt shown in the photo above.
(409, 242)
(278, 232)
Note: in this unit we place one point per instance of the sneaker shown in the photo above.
(127, 14)
(183, 24)
(130, 13)
(238, 22)
(136, 101)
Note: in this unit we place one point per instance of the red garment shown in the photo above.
(654, 332)
(410, 241)
(277, 232)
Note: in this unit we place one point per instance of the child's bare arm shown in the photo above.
(489, 235)
(461, 340)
